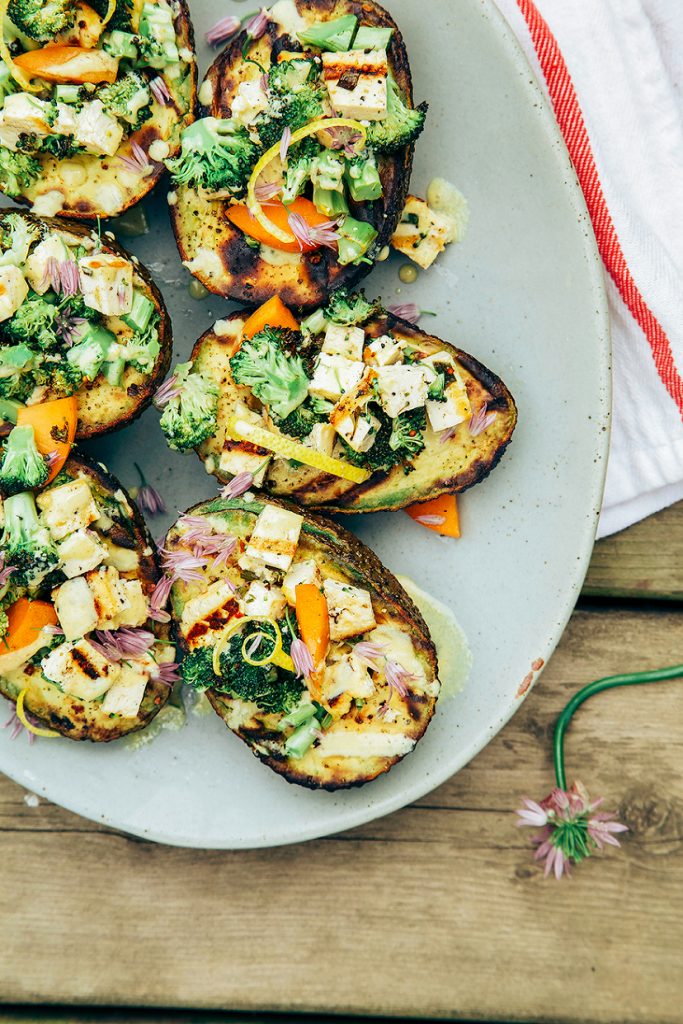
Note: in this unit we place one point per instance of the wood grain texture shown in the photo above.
(436, 911)
(644, 561)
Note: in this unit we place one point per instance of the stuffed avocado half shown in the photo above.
(307, 647)
(79, 318)
(350, 410)
(93, 97)
(80, 654)
(294, 178)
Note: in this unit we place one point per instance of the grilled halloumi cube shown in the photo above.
(350, 610)
(23, 114)
(262, 600)
(67, 508)
(402, 388)
(342, 340)
(124, 696)
(13, 290)
(135, 609)
(357, 83)
(347, 675)
(209, 611)
(80, 670)
(359, 432)
(334, 376)
(301, 572)
(123, 559)
(400, 649)
(322, 438)
(107, 283)
(107, 599)
(66, 121)
(275, 537)
(35, 268)
(386, 351)
(249, 101)
(80, 552)
(75, 608)
(96, 130)
(244, 457)
(453, 410)
(423, 233)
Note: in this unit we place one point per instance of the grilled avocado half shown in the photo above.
(91, 141)
(416, 415)
(306, 645)
(89, 563)
(228, 261)
(78, 316)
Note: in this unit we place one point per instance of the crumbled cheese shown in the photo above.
(107, 283)
(13, 290)
(301, 572)
(248, 102)
(341, 340)
(366, 74)
(386, 351)
(423, 233)
(80, 670)
(80, 552)
(263, 601)
(67, 508)
(96, 130)
(75, 608)
(334, 376)
(275, 537)
(350, 610)
(402, 388)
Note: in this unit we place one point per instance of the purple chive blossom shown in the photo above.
(159, 599)
(301, 656)
(137, 160)
(69, 327)
(571, 831)
(368, 653)
(224, 29)
(448, 435)
(149, 500)
(205, 542)
(116, 645)
(239, 485)
(409, 311)
(257, 25)
(167, 392)
(253, 645)
(5, 570)
(62, 276)
(264, 83)
(160, 91)
(311, 237)
(267, 190)
(481, 421)
(167, 672)
(16, 727)
(182, 565)
(398, 677)
(429, 520)
(285, 143)
(54, 630)
(342, 139)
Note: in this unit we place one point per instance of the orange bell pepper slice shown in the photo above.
(272, 313)
(443, 513)
(26, 619)
(313, 619)
(54, 425)
(240, 216)
(69, 64)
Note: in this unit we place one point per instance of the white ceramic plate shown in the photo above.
(524, 294)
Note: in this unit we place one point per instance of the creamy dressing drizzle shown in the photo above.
(452, 648)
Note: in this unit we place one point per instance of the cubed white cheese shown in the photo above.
(239, 457)
(423, 233)
(365, 743)
(402, 388)
(263, 601)
(75, 608)
(213, 609)
(80, 670)
(347, 675)
(67, 508)
(123, 559)
(350, 610)
(106, 595)
(96, 130)
(399, 648)
(334, 376)
(23, 114)
(124, 697)
(13, 291)
(249, 101)
(386, 351)
(301, 572)
(107, 283)
(360, 433)
(454, 410)
(275, 537)
(357, 83)
(134, 605)
(322, 438)
(35, 267)
(66, 121)
(341, 340)
(80, 552)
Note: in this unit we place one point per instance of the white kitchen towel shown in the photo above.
(613, 70)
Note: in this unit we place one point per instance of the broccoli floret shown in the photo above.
(299, 163)
(17, 235)
(350, 308)
(34, 324)
(4, 622)
(402, 124)
(122, 16)
(61, 146)
(289, 106)
(27, 543)
(87, 357)
(23, 467)
(406, 437)
(65, 379)
(215, 155)
(300, 423)
(197, 669)
(142, 350)
(383, 454)
(7, 83)
(16, 377)
(74, 306)
(362, 178)
(278, 380)
(42, 21)
(129, 99)
(17, 171)
(192, 415)
(292, 76)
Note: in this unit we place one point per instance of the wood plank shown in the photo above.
(642, 562)
(436, 911)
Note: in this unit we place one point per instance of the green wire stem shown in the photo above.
(632, 679)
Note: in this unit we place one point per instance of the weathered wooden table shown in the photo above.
(437, 911)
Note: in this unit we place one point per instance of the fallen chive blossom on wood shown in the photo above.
(224, 29)
(571, 830)
(408, 311)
